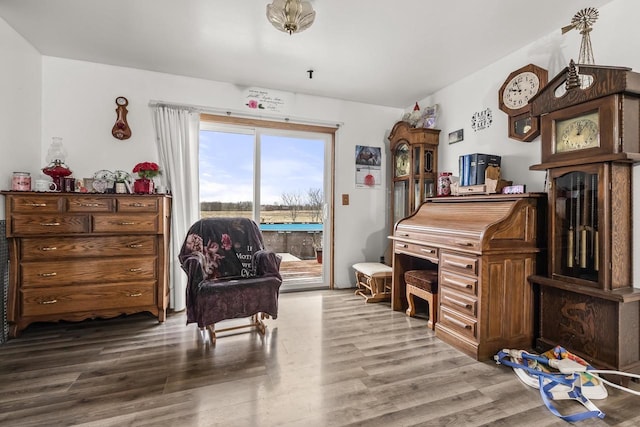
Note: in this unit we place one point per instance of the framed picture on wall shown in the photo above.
(456, 136)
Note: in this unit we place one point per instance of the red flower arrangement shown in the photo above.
(147, 170)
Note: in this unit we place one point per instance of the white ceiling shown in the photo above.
(373, 51)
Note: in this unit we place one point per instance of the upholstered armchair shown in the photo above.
(230, 274)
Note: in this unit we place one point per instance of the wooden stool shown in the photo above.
(423, 284)
(373, 281)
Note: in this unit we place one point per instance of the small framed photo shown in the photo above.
(456, 136)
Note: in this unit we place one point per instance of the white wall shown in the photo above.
(616, 41)
(78, 105)
(20, 86)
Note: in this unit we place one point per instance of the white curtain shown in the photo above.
(177, 135)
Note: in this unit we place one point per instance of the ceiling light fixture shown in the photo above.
(291, 16)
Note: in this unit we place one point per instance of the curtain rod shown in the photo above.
(243, 114)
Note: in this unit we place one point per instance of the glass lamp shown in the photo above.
(291, 16)
(56, 156)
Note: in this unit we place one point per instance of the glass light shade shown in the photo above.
(291, 16)
(57, 152)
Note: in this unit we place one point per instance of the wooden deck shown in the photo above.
(301, 270)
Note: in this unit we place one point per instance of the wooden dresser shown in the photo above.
(484, 248)
(75, 256)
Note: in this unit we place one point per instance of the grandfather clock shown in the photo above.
(590, 139)
(414, 154)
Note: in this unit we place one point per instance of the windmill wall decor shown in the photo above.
(583, 21)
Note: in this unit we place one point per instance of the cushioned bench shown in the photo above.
(373, 281)
(423, 284)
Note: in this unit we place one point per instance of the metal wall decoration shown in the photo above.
(481, 120)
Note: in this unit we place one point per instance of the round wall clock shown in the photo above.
(513, 98)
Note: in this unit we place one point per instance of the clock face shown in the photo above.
(577, 133)
(520, 89)
(121, 100)
(403, 162)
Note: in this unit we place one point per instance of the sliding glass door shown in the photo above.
(278, 178)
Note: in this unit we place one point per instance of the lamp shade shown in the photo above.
(291, 16)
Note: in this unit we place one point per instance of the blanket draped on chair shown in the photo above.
(230, 273)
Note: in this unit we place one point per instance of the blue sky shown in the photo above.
(288, 165)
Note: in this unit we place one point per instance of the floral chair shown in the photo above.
(230, 274)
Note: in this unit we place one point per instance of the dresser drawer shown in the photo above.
(137, 204)
(90, 204)
(24, 225)
(36, 204)
(457, 302)
(70, 299)
(458, 283)
(421, 251)
(125, 269)
(46, 248)
(123, 224)
(461, 324)
(467, 264)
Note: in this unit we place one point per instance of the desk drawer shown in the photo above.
(48, 248)
(421, 251)
(91, 270)
(458, 283)
(467, 264)
(69, 299)
(458, 302)
(124, 224)
(25, 225)
(461, 324)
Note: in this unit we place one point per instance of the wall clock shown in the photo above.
(121, 129)
(513, 98)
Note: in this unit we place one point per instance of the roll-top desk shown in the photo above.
(75, 256)
(484, 248)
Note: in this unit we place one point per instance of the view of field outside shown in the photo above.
(290, 186)
(291, 177)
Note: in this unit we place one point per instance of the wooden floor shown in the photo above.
(328, 360)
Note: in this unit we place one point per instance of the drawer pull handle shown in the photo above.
(48, 248)
(90, 205)
(402, 246)
(457, 322)
(135, 270)
(458, 284)
(47, 274)
(428, 251)
(49, 301)
(456, 302)
(50, 224)
(465, 244)
(137, 294)
(459, 265)
(137, 205)
(135, 245)
(404, 234)
(127, 223)
(36, 205)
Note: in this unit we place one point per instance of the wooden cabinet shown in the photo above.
(79, 256)
(589, 300)
(414, 154)
(484, 248)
